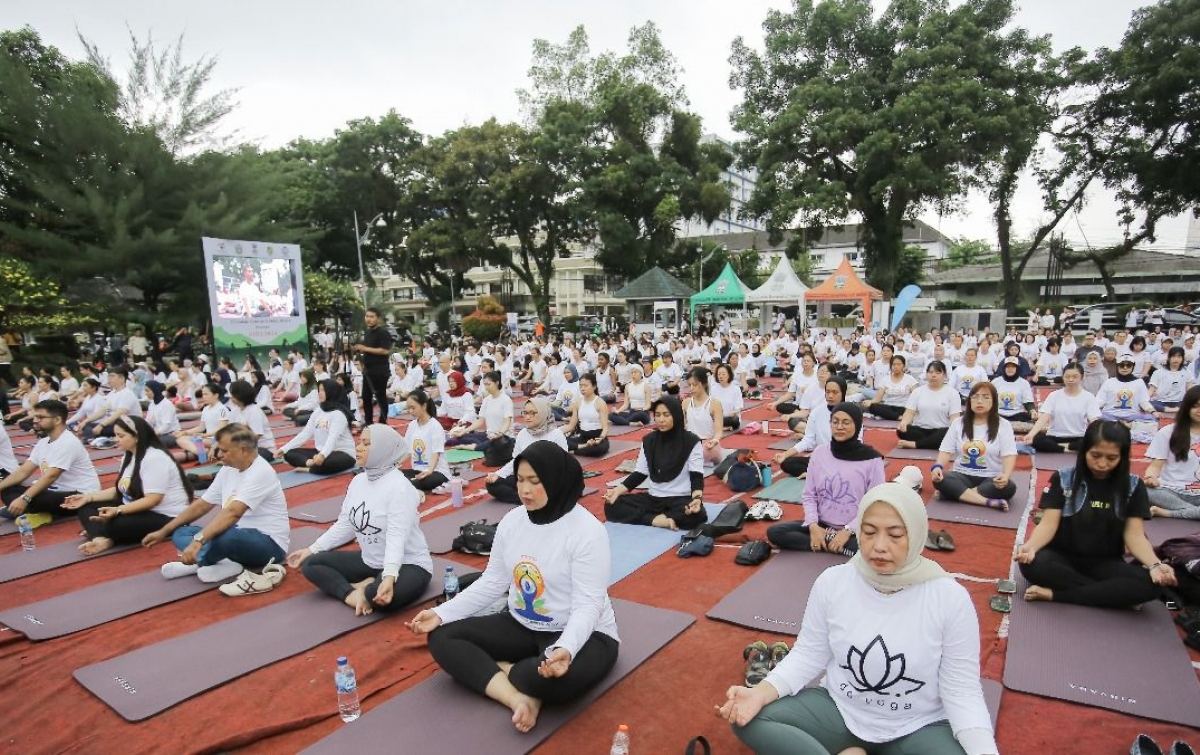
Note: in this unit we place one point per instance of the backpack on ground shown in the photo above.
(475, 538)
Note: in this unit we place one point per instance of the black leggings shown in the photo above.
(733, 423)
(924, 437)
(794, 536)
(1103, 583)
(576, 440)
(338, 461)
(787, 407)
(639, 507)
(468, 650)
(434, 480)
(633, 415)
(336, 572)
(301, 418)
(45, 502)
(1018, 417)
(794, 465)
(122, 528)
(504, 489)
(886, 411)
(1053, 444)
(954, 484)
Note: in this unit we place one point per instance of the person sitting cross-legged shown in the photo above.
(984, 450)
(539, 425)
(64, 465)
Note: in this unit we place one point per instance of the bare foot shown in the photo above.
(906, 444)
(95, 546)
(1159, 511)
(504, 667)
(1039, 593)
(357, 599)
(664, 521)
(525, 712)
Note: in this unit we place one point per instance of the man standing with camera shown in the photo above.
(375, 348)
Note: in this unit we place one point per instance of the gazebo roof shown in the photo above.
(783, 285)
(726, 289)
(655, 283)
(843, 285)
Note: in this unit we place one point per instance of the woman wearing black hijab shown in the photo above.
(673, 459)
(840, 472)
(329, 429)
(551, 558)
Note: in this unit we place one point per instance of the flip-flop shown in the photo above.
(1001, 603)
(931, 541)
(944, 541)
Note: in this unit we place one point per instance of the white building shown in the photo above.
(740, 184)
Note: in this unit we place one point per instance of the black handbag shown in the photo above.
(729, 521)
(753, 553)
(499, 451)
(475, 538)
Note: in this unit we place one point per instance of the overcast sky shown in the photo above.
(303, 68)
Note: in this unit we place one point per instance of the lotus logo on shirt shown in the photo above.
(877, 670)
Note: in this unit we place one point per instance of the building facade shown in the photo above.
(740, 184)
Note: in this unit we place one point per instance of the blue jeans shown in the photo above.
(248, 547)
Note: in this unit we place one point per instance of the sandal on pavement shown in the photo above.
(1001, 603)
(779, 651)
(249, 583)
(758, 662)
(944, 541)
(931, 541)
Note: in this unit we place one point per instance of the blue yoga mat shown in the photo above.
(294, 477)
(635, 545)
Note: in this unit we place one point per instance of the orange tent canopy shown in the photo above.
(845, 285)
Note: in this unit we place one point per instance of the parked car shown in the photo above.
(1172, 318)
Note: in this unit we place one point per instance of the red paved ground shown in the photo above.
(289, 705)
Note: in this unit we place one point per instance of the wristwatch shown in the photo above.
(25, 497)
(198, 538)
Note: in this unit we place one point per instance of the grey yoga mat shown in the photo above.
(784, 490)
(109, 601)
(615, 448)
(875, 423)
(46, 557)
(1128, 661)
(784, 444)
(774, 597)
(966, 513)
(615, 431)
(922, 454)
(441, 531)
(294, 477)
(460, 721)
(147, 681)
(1053, 462)
(322, 512)
(1160, 529)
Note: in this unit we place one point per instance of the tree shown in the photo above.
(964, 251)
(911, 268)
(801, 258)
(326, 298)
(848, 114)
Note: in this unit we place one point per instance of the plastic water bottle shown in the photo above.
(201, 451)
(766, 476)
(347, 690)
(449, 583)
(456, 491)
(620, 744)
(26, 530)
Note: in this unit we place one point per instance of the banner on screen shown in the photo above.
(256, 296)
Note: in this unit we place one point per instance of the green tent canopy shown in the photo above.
(726, 289)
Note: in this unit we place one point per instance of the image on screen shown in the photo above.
(249, 288)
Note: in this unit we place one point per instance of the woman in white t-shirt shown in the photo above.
(329, 429)
(724, 388)
(893, 392)
(428, 468)
(1169, 383)
(161, 414)
(151, 490)
(587, 427)
(930, 411)
(244, 410)
(1125, 398)
(1050, 364)
(1064, 416)
(635, 409)
(495, 419)
(568, 392)
(984, 453)
(1015, 393)
(1173, 477)
(200, 439)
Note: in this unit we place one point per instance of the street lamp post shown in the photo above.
(359, 240)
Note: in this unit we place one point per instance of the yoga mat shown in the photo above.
(615, 431)
(441, 531)
(321, 512)
(294, 477)
(1053, 462)
(615, 448)
(9, 526)
(773, 599)
(784, 490)
(784, 444)
(104, 453)
(441, 711)
(966, 513)
(920, 454)
(108, 601)
(1160, 528)
(881, 424)
(1128, 661)
(46, 557)
(462, 455)
(635, 545)
(147, 681)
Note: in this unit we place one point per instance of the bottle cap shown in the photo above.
(341, 660)
(623, 727)
(450, 569)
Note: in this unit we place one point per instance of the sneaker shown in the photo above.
(779, 651)
(443, 489)
(249, 583)
(772, 511)
(220, 571)
(758, 662)
(177, 569)
(756, 511)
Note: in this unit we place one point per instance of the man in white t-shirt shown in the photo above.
(250, 531)
(63, 462)
(119, 402)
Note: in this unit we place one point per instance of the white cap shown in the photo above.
(911, 476)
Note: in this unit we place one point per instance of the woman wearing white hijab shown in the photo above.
(393, 566)
(539, 425)
(897, 641)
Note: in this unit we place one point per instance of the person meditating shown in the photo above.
(329, 428)
(551, 558)
(1094, 512)
(428, 469)
(1173, 477)
(151, 489)
(840, 472)
(930, 410)
(539, 425)
(984, 450)
(673, 459)
(795, 461)
(392, 566)
(586, 429)
(1064, 415)
(897, 641)
(62, 462)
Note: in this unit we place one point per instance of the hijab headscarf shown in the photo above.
(157, 390)
(916, 568)
(458, 385)
(1016, 371)
(335, 399)
(572, 372)
(667, 452)
(543, 417)
(1127, 377)
(560, 475)
(853, 449)
(388, 447)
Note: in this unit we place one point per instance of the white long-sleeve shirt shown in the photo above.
(330, 432)
(893, 663)
(525, 439)
(382, 517)
(556, 577)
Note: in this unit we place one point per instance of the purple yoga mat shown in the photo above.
(881, 424)
(441, 531)
(321, 512)
(1159, 528)
(615, 431)
(615, 448)
(9, 526)
(773, 599)
(44, 558)
(294, 478)
(784, 444)
(1128, 661)
(966, 513)
(918, 454)
(108, 601)
(104, 453)
(147, 681)
(1043, 461)
(460, 721)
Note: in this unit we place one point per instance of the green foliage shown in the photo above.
(801, 259)
(28, 300)
(322, 293)
(955, 304)
(964, 251)
(489, 305)
(482, 326)
(911, 268)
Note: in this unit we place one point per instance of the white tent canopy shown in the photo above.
(783, 287)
